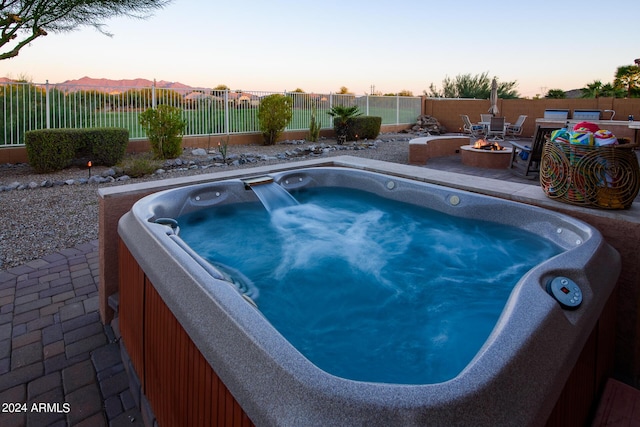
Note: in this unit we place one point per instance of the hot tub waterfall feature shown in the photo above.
(218, 260)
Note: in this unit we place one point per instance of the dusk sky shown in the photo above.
(321, 46)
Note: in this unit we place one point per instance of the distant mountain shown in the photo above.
(574, 93)
(116, 86)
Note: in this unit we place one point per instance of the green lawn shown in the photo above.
(199, 122)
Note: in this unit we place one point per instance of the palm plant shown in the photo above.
(556, 94)
(628, 79)
(342, 116)
(599, 90)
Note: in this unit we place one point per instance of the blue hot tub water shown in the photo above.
(368, 288)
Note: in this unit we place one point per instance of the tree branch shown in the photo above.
(38, 17)
(14, 52)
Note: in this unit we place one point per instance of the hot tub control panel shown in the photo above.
(566, 292)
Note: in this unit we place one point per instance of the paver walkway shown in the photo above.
(59, 365)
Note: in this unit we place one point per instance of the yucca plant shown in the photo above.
(342, 116)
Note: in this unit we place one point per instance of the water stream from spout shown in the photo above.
(273, 196)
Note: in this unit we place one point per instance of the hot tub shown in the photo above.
(515, 378)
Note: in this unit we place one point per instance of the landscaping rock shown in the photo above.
(199, 152)
(428, 124)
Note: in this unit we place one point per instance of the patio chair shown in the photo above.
(496, 129)
(515, 130)
(485, 119)
(475, 130)
(525, 159)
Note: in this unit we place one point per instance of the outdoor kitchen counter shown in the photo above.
(620, 128)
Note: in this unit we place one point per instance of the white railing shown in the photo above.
(30, 106)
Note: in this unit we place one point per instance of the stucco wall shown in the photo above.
(448, 111)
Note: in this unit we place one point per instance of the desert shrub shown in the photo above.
(314, 126)
(274, 115)
(342, 117)
(164, 127)
(140, 165)
(364, 127)
(50, 150)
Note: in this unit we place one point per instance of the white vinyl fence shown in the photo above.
(29, 106)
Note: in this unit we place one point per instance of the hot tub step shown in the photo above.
(619, 406)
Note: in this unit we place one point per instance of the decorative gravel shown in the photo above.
(44, 213)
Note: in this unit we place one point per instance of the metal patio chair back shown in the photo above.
(496, 128)
(475, 130)
(515, 129)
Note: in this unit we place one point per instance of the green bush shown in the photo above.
(364, 127)
(107, 146)
(50, 150)
(274, 115)
(164, 127)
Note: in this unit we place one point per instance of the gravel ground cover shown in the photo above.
(41, 214)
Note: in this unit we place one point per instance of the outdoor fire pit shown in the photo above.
(486, 154)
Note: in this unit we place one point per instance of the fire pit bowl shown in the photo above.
(486, 154)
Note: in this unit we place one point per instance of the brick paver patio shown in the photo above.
(59, 365)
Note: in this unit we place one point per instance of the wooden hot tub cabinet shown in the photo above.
(176, 380)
